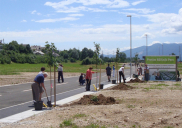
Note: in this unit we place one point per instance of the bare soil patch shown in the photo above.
(25, 77)
(122, 86)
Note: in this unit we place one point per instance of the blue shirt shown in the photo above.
(113, 68)
(39, 78)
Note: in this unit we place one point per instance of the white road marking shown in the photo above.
(0, 95)
(62, 83)
(26, 90)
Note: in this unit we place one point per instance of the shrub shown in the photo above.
(72, 60)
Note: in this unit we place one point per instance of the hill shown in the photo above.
(155, 49)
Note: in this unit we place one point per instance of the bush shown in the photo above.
(87, 61)
(72, 60)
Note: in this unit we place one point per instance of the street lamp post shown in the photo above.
(146, 45)
(162, 49)
(130, 46)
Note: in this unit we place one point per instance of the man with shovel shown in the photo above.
(38, 85)
(89, 78)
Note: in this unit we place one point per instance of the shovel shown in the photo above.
(48, 102)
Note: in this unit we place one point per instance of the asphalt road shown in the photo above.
(18, 98)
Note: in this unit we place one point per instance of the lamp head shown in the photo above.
(128, 15)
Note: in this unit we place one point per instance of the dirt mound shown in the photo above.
(95, 100)
(135, 81)
(122, 86)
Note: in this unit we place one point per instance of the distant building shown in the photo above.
(37, 48)
(38, 53)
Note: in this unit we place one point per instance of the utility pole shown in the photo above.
(162, 49)
(179, 54)
(130, 45)
(146, 45)
(159, 50)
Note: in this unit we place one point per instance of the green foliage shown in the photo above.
(97, 53)
(86, 53)
(117, 55)
(94, 126)
(87, 61)
(50, 58)
(94, 98)
(72, 60)
(74, 54)
(122, 57)
(67, 122)
(79, 115)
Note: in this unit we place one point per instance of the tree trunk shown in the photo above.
(117, 71)
(50, 86)
(100, 77)
(54, 85)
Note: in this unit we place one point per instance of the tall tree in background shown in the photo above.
(122, 57)
(84, 53)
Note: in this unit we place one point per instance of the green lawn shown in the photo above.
(14, 68)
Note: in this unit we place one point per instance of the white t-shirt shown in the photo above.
(121, 69)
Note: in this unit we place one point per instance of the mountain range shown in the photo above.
(155, 49)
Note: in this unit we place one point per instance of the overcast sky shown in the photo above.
(79, 23)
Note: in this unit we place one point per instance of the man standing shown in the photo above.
(108, 72)
(146, 71)
(113, 68)
(121, 73)
(89, 78)
(60, 73)
(38, 85)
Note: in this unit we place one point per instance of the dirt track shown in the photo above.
(25, 77)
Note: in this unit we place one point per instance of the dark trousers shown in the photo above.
(35, 91)
(146, 76)
(88, 84)
(60, 74)
(82, 82)
(121, 74)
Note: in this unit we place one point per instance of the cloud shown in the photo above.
(138, 2)
(74, 15)
(23, 21)
(149, 35)
(33, 12)
(141, 10)
(57, 20)
(66, 6)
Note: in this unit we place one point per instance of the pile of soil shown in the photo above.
(122, 86)
(95, 100)
(135, 81)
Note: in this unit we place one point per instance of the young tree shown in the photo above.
(116, 60)
(51, 61)
(96, 56)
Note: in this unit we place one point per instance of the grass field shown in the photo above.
(14, 68)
